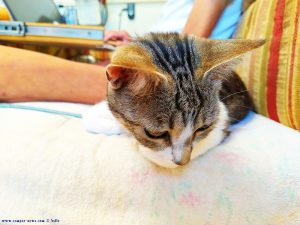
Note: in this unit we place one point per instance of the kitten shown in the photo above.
(176, 94)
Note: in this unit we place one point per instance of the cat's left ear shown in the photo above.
(136, 79)
(216, 52)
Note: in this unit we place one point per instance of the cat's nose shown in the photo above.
(181, 162)
(181, 155)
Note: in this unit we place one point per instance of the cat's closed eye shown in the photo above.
(203, 128)
(154, 135)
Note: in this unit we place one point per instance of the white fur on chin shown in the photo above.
(162, 158)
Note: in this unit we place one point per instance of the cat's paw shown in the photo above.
(98, 119)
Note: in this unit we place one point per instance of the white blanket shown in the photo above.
(51, 168)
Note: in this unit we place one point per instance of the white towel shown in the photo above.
(99, 119)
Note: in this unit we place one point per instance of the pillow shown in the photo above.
(272, 73)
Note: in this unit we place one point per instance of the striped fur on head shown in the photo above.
(165, 89)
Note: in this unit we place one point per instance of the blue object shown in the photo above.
(228, 22)
(38, 109)
(71, 15)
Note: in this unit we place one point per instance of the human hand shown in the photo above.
(120, 37)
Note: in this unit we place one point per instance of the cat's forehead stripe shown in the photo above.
(159, 55)
(173, 56)
(171, 121)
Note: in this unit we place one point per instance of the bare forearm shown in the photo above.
(30, 76)
(204, 16)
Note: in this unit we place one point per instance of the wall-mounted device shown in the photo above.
(131, 10)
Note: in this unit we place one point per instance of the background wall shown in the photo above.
(147, 13)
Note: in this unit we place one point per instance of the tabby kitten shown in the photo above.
(176, 94)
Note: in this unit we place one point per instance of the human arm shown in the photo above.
(204, 16)
(120, 37)
(31, 76)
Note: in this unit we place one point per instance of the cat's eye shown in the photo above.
(156, 135)
(203, 128)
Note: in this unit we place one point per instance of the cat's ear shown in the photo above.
(131, 66)
(216, 52)
(136, 79)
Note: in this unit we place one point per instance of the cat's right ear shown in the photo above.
(217, 52)
(135, 79)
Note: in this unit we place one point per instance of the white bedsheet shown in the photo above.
(51, 168)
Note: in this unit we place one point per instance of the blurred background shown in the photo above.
(136, 16)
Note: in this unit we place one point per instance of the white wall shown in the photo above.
(146, 15)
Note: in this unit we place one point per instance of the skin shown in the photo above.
(204, 16)
(120, 37)
(31, 76)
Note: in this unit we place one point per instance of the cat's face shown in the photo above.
(162, 92)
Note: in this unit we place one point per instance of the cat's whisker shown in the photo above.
(242, 106)
(234, 94)
(232, 118)
(225, 78)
